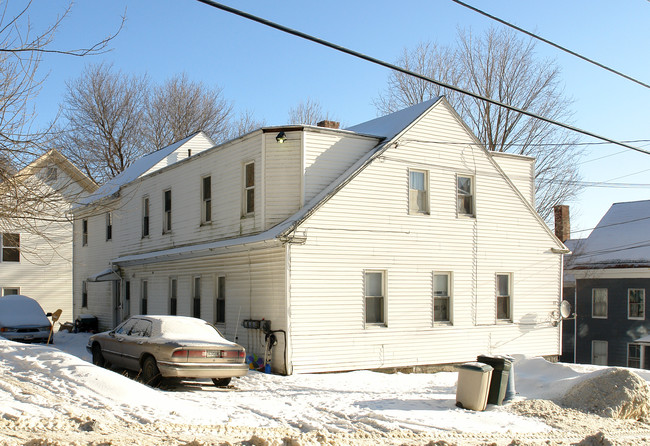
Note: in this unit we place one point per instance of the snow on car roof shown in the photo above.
(17, 310)
(183, 327)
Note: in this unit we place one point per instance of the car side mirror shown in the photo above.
(111, 334)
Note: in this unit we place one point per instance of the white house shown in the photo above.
(36, 254)
(398, 242)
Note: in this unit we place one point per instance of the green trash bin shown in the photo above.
(499, 382)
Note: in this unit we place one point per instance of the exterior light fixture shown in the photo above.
(281, 138)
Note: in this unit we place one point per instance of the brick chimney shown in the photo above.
(562, 222)
(329, 124)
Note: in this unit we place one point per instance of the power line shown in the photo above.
(411, 73)
(566, 50)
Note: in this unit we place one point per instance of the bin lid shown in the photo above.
(499, 362)
(478, 366)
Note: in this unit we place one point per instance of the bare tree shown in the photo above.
(244, 123)
(181, 107)
(309, 112)
(104, 112)
(503, 67)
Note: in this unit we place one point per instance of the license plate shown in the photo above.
(213, 354)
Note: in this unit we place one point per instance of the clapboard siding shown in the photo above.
(366, 225)
(282, 177)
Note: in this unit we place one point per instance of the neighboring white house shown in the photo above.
(36, 247)
(398, 242)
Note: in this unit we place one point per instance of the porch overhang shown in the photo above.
(107, 275)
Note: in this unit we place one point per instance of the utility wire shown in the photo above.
(411, 73)
(566, 50)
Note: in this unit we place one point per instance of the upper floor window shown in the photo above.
(504, 298)
(145, 217)
(636, 303)
(375, 296)
(167, 211)
(599, 303)
(465, 192)
(206, 199)
(109, 226)
(84, 232)
(441, 297)
(10, 247)
(418, 192)
(249, 188)
(220, 304)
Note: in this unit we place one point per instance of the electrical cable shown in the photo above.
(385, 64)
(561, 48)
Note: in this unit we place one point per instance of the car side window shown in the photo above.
(142, 328)
(125, 327)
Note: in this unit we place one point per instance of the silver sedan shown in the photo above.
(169, 346)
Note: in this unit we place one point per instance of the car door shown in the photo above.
(136, 343)
(112, 343)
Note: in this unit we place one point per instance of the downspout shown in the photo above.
(288, 366)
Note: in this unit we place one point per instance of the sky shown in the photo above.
(267, 72)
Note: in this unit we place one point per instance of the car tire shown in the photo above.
(221, 382)
(150, 374)
(98, 357)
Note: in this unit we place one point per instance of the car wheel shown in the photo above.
(98, 357)
(221, 382)
(150, 373)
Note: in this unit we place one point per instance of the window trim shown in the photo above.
(449, 297)
(593, 303)
(636, 318)
(146, 216)
(167, 212)
(248, 189)
(509, 319)
(640, 358)
(172, 302)
(606, 344)
(427, 205)
(4, 290)
(206, 203)
(472, 196)
(10, 247)
(383, 297)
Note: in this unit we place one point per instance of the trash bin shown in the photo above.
(473, 385)
(85, 323)
(499, 382)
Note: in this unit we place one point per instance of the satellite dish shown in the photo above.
(565, 309)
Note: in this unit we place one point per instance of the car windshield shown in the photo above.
(188, 329)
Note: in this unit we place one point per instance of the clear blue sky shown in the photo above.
(268, 72)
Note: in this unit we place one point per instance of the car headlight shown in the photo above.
(8, 330)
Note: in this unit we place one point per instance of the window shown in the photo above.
(503, 297)
(465, 191)
(126, 311)
(10, 247)
(144, 297)
(84, 232)
(418, 192)
(249, 188)
(10, 291)
(634, 355)
(145, 217)
(84, 294)
(220, 304)
(142, 328)
(375, 291)
(167, 211)
(599, 352)
(636, 303)
(441, 297)
(206, 200)
(173, 296)
(109, 226)
(196, 297)
(599, 303)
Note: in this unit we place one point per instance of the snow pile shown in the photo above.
(612, 393)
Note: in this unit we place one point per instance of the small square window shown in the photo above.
(10, 247)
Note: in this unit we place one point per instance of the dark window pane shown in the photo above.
(374, 310)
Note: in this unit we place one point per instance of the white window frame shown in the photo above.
(109, 226)
(593, 303)
(509, 296)
(9, 247)
(593, 351)
(414, 209)
(16, 288)
(637, 318)
(220, 295)
(449, 295)
(196, 295)
(639, 359)
(383, 297)
(248, 191)
(167, 213)
(471, 195)
(206, 202)
(173, 295)
(146, 216)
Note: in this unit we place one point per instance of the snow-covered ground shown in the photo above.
(53, 395)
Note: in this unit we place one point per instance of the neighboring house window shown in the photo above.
(167, 211)
(599, 352)
(418, 192)
(84, 294)
(206, 199)
(196, 297)
(109, 226)
(249, 188)
(599, 303)
(375, 296)
(10, 247)
(634, 355)
(220, 304)
(84, 232)
(10, 291)
(504, 298)
(465, 191)
(441, 297)
(144, 297)
(145, 217)
(173, 296)
(636, 303)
